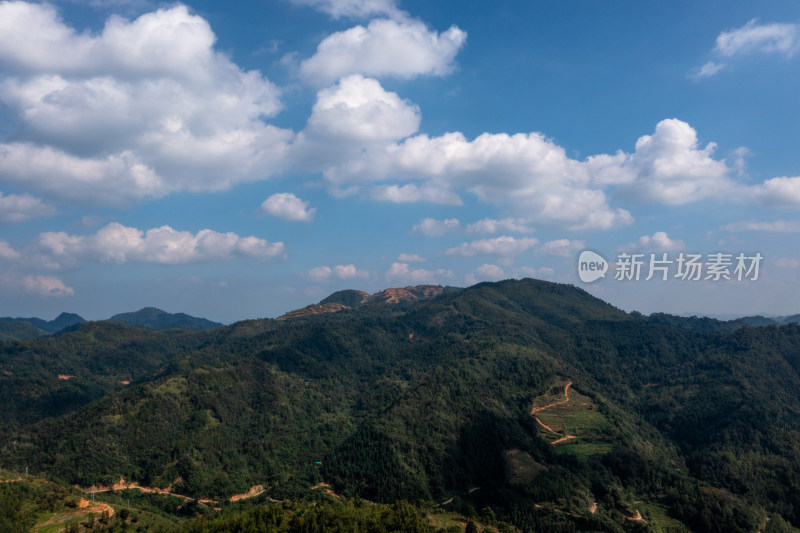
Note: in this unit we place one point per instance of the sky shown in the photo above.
(237, 160)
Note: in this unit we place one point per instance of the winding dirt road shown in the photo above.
(563, 438)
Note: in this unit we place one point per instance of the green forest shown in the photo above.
(510, 406)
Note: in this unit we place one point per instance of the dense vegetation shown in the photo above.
(152, 318)
(679, 424)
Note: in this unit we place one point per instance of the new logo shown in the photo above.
(591, 266)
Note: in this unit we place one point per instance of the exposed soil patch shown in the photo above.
(255, 490)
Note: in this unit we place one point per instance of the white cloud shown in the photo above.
(352, 8)
(400, 47)
(755, 37)
(525, 272)
(320, 273)
(658, 242)
(707, 70)
(359, 108)
(414, 193)
(287, 205)
(783, 191)
(561, 247)
(324, 273)
(667, 167)
(349, 272)
(45, 286)
(401, 271)
(435, 228)
(489, 226)
(504, 245)
(530, 272)
(782, 226)
(7, 253)
(487, 271)
(410, 258)
(115, 243)
(21, 207)
(144, 108)
(525, 172)
(775, 38)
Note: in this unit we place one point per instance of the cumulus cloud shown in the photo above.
(658, 242)
(116, 243)
(530, 175)
(781, 191)
(21, 207)
(410, 258)
(525, 172)
(359, 108)
(561, 247)
(144, 108)
(287, 205)
(780, 226)
(320, 273)
(667, 167)
(7, 253)
(324, 273)
(435, 228)
(45, 286)
(399, 47)
(489, 226)
(487, 271)
(403, 272)
(504, 245)
(353, 8)
(530, 272)
(410, 192)
(349, 272)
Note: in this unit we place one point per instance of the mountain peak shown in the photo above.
(154, 318)
(350, 298)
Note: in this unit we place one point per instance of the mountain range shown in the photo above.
(147, 317)
(536, 401)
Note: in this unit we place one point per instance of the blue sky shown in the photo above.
(242, 159)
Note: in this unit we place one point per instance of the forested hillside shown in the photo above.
(534, 400)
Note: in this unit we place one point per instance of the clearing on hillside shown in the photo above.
(571, 421)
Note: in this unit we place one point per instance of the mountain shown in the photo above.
(14, 330)
(152, 318)
(349, 299)
(759, 321)
(52, 326)
(537, 401)
(793, 319)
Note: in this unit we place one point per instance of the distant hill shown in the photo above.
(705, 323)
(759, 321)
(17, 331)
(48, 326)
(152, 318)
(350, 299)
(793, 319)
